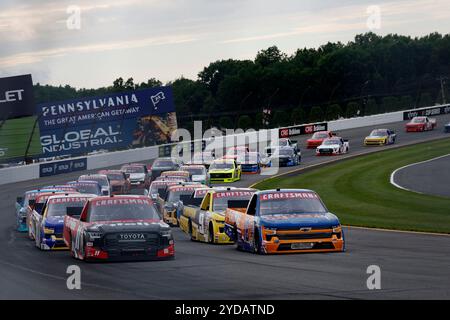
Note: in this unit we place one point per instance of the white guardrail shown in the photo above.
(97, 161)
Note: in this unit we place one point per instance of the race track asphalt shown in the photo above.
(432, 177)
(413, 266)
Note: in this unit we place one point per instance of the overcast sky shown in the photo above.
(167, 39)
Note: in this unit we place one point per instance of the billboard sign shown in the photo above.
(122, 120)
(67, 166)
(302, 129)
(425, 112)
(16, 97)
(19, 133)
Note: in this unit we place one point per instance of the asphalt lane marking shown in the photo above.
(16, 266)
(12, 237)
(399, 231)
(357, 155)
(347, 157)
(392, 178)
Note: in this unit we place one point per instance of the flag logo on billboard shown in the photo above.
(157, 98)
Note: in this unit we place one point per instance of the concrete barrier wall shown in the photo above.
(21, 173)
(121, 157)
(29, 172)
(365, 121)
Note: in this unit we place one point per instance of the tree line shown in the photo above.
(369, 75)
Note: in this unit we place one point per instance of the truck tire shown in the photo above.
(211, 234)
(190, 227)
(256, 243)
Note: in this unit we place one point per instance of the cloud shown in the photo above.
(38, 56)
(31, 21)
(354, 18)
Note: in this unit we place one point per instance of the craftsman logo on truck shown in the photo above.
(232, 194)
(288, 195)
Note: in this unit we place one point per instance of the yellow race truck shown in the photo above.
(205, 222)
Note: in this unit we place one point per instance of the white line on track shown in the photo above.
(354, 155)
(399, 231)
(55, 277)
(395, 184)
(347, 156)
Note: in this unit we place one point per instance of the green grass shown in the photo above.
(14, 136)
(358, 190)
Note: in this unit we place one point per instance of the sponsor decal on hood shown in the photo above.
(233, 194)
(115, 202)
(288, 195)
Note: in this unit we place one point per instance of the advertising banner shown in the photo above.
(302, 129)
(16, 97)
(19, 133)
(122, 120)
(426, 112)
(67, 166)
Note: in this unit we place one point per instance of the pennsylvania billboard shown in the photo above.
(117, 121)
(19, 137)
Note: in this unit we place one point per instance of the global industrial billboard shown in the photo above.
(117, 121)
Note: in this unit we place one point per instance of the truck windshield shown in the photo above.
(283, 142)
(122, 209)
(247, 158)
(133, 169)
(221, 166)
(102, 180)
(284, 152)
(418, 120)
(222, 204)
(174, 196)
(163, 164)
(194, 171)
(115, 176)
(60, 209)
(291, 206)
(378, 133)
(329, 142)
(156, 188)
(88, 188)
(320, 135)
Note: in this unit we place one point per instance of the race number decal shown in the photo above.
(248, 227)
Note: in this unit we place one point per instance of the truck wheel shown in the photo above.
(83, 250)
(72, 246)
(30, 232)
(190, 227)
(192, 233)
(211, 234)
(235, 233)
(37, 241)
(256, 243)
(238, 246)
